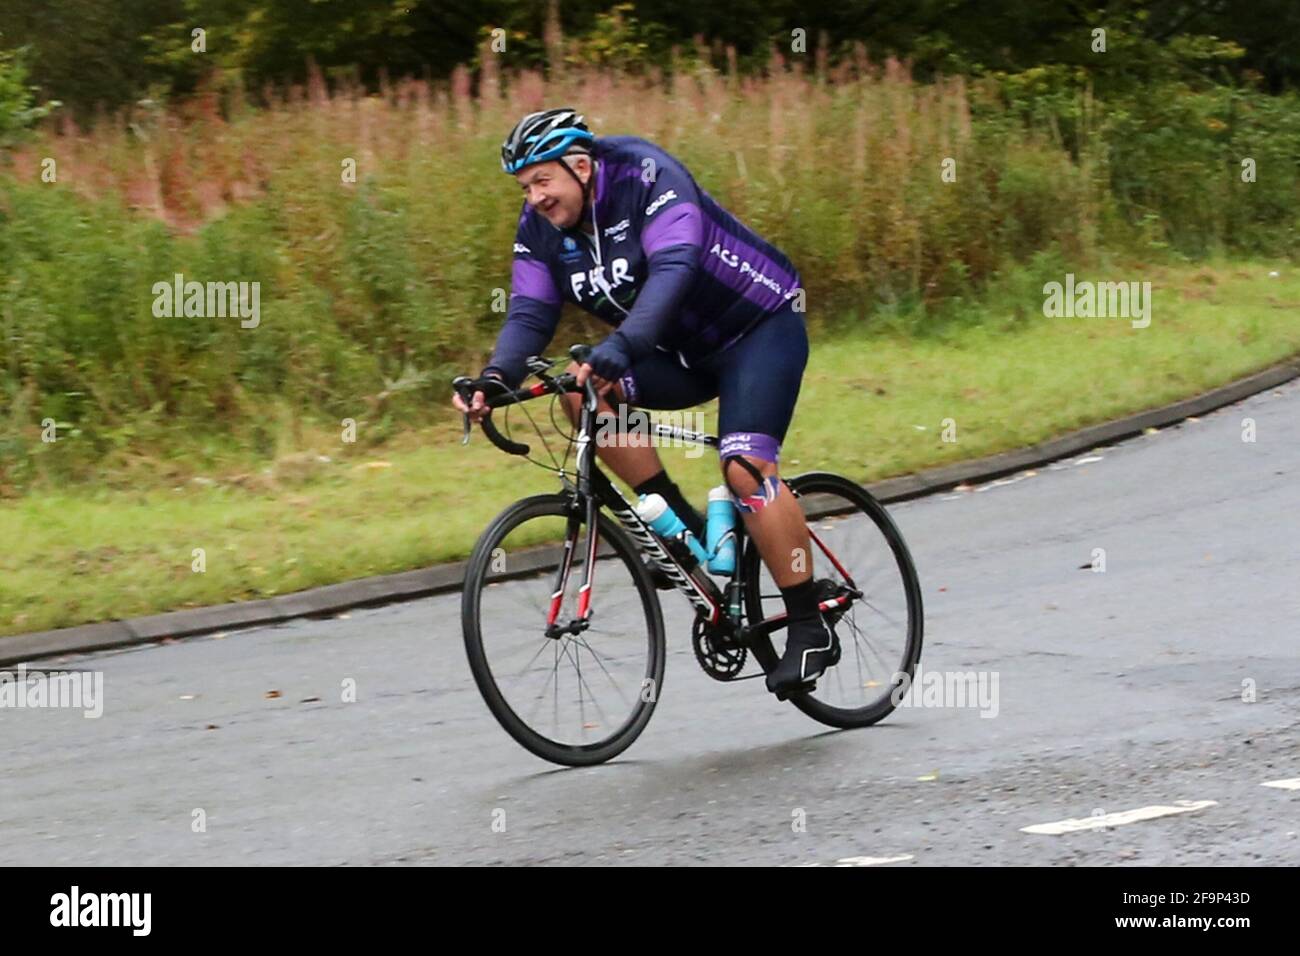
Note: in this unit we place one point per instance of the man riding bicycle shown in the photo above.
(702, 306)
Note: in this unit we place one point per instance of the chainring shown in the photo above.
(720, 657)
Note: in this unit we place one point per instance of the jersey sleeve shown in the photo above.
(532, 314)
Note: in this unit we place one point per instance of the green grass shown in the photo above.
(1007, 377)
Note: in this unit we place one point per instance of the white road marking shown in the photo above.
(1292, 784)
(864, 860)
(872, 860)
(1118, 819)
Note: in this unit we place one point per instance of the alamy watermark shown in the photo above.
(129, 910)
(211, 300)
(1088, 300)
(948, 689)
(73, 690)
(633, 428)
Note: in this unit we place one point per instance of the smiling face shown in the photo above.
(553, 192)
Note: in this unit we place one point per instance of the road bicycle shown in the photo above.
(561, 614)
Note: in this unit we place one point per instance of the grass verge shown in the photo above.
(872, 405)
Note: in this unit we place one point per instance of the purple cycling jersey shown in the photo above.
(667, 266)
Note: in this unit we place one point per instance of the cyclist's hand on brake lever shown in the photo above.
(476, 409)
(605, 363)
(602, 385)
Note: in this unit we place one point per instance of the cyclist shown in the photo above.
(702, 306)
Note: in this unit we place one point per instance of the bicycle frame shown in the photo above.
(594, 489)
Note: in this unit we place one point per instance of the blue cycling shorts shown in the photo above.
(755, 379)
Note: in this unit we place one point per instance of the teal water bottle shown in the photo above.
(720, 531)
(655, 512)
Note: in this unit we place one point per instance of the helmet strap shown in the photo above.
(589, 185)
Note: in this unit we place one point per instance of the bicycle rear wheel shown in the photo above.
(855, 544)
(573, 699)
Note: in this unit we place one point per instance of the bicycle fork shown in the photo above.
(593, 487)
(587, 501)
(581, 622)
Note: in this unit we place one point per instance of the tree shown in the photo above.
(18, 109)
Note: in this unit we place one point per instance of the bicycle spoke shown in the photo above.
(555, 708)
(582, 683)
(597, 658)
(582, 710)
(542, 696)
(518, 677)
(861, 639)
(857, 660)
(839, 680)
(891, 620)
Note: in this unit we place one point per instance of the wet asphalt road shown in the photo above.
(1116, 691)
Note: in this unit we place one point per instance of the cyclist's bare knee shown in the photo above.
(738, 478)
(753, 481)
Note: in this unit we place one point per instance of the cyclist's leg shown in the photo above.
(759, 380)
(662, 383)
(658, 382)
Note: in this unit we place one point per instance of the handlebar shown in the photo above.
(501, 395)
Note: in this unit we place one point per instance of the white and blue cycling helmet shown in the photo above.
(543, 136)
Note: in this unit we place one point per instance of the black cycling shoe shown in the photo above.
(811, 646)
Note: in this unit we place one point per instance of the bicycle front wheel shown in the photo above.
(571, 698)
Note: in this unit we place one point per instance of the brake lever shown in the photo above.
(461, 383)
(539, 365)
